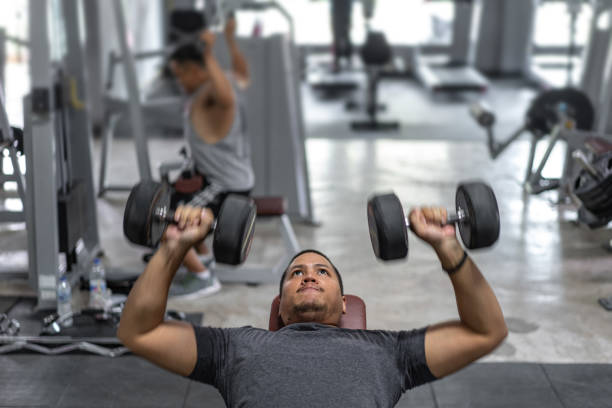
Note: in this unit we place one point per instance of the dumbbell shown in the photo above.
(148, 214)
(593, 185)
(477, 218)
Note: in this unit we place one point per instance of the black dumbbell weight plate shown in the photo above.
(593, 193)
(480, 229)
(140, 225)
(588, 189)
(387, 225)
(602, 205)
(234, 230)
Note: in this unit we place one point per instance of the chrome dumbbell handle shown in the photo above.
(460, 216)
(167, 215)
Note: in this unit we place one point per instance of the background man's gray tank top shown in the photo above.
(227, 163)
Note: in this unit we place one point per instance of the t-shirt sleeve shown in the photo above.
(212, 344)
(412, 361)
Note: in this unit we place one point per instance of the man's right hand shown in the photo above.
(230, 28)
(208, 38)
(192, 226)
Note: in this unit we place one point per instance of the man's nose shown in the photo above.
(309, 276)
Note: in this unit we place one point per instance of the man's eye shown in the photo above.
(297, 272)
(323, 272)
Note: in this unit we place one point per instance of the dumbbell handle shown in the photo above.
(167, 215)
(451, 219)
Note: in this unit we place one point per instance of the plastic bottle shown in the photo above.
(97, 286)
(64, 300)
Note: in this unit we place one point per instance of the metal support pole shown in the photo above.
(532, 150)
(2, 56)
(79, 139)
(551, 145)
(135, 108)
(107, 142)
(93, 52)
(41, 220)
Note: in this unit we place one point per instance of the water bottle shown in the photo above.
(97, 286)
(64, 300)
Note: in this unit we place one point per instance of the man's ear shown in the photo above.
(343, 304)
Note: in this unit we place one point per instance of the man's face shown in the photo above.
(189, 75)
(311, 292)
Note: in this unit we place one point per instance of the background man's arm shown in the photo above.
(220, 84)
(240, 66)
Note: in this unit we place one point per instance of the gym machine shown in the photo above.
(58, 175)
(554, 114)
(376, 53)
(60, 207)
(591, 189)
(458, 74)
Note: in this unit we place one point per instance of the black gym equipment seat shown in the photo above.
(375, 53)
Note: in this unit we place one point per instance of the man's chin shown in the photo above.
(309, 308)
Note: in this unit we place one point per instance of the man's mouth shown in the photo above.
(305, 288)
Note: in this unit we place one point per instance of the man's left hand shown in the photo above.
(208, 38)
(230, 28)
(429, 224)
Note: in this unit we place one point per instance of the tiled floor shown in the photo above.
(77, 381)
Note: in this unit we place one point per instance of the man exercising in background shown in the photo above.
(215, 133)
(311, 362)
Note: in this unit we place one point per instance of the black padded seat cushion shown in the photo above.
(270, 206)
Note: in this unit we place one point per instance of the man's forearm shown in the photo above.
(239, 63)
(220, 84)
(146, 304)
(478, 307)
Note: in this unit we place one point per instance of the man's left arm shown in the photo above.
(221, 87)
(481, 327)
(240, 66)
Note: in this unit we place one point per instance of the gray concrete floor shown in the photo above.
(547, 272)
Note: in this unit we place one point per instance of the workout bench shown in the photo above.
(268, 207)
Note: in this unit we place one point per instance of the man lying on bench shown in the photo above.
(311, 361)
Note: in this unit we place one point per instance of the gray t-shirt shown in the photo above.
(310, 365)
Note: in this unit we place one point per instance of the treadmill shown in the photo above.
(457, 73)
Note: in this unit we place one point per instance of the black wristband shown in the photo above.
(458, 266)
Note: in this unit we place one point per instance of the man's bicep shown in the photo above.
(171, 345)
(451, 346)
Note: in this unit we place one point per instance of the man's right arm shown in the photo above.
(142, 329)
(481, 326)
